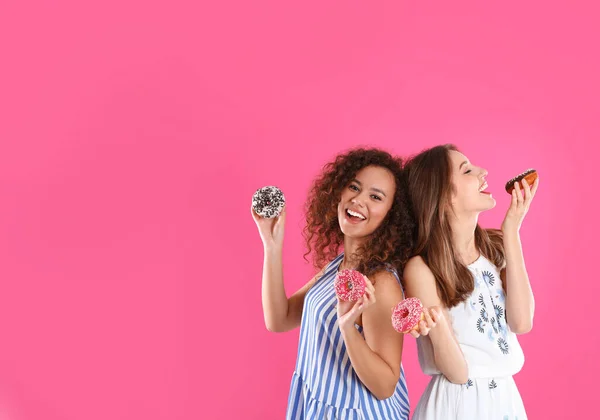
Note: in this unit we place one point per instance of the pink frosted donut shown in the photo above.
(407, 314)
(350, 285)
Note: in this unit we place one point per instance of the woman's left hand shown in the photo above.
(519, 206)
(348, 312)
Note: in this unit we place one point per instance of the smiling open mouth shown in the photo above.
(353, 215)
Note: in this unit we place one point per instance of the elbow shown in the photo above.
(386, 390)
(458, 379)
(274, 327)
(458, 375)
(522, 326)
(385, 393)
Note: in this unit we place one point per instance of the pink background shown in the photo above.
(134, 133)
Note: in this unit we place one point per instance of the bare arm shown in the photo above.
(520, 304)
(448, 356)
(281, 314)
(375, 358)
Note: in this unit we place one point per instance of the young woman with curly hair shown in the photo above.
(349, 356)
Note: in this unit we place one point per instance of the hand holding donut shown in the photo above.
(432, 317)
(271, 230)
(520, 201)
(268, 212)
(348, 311)
(409, 316)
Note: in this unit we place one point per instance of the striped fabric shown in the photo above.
(324, 385)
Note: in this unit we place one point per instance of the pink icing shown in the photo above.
(350, 285)
(407, 314)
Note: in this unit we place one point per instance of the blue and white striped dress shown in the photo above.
(324, 384)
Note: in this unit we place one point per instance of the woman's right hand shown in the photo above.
(433, 316)
(270, 230)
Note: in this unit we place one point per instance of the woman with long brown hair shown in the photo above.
(349, 356)
(477, 280)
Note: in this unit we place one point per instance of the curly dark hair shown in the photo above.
(390, 243)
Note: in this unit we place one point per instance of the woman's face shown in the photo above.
(469, 192)
(366, 201)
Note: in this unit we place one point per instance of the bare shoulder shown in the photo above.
(384, 279)
(388, 293)
(416, 269)
(420, 281)
(386, 285)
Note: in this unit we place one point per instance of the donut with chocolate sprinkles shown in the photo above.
(268, 202)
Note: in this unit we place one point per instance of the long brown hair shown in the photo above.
(390, 243)
(430, 188)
